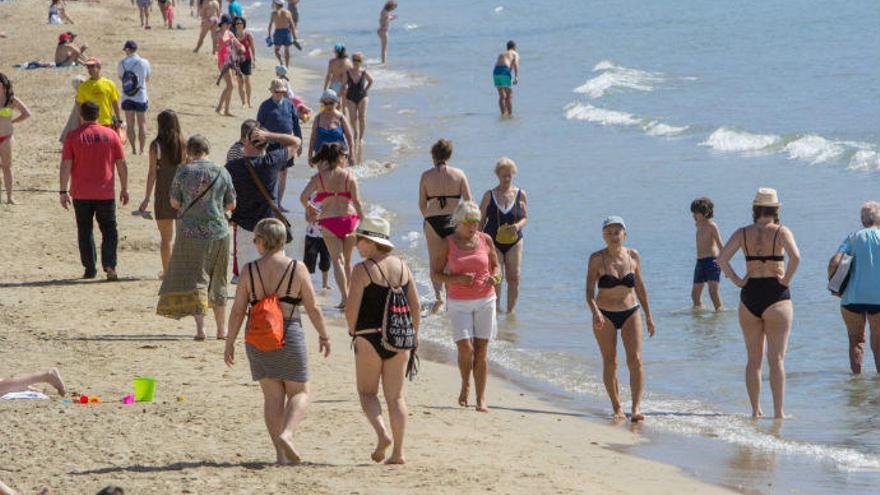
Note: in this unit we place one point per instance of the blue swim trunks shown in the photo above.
(707, 270)
(503, 77)
(282, 37)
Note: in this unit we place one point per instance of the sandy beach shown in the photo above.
(205, 432)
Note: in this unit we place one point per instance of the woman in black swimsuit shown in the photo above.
(440, 190)
(369, 287)
(765, 312)
(357, 84)
(616, 270)
(505, 213)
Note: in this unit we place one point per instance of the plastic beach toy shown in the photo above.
(128, 399)
(83, 399)
(144, 388)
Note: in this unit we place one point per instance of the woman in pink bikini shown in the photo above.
(336, 191)
(8, 104)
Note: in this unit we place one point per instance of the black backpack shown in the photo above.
(398, 332)
(131, 84)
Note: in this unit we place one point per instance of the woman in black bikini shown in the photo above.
(616, 307)
(370, 282)
(357, 86)
(765, 312)
(504, 225)
(440, 190)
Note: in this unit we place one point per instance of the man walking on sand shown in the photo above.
(134, 72)
(277, 114)
(102, 92)
(252, 204)
(285, 31)
(506, 75)
(89, 158)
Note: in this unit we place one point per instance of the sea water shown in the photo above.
(635, 108)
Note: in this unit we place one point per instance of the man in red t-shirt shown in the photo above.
(90, 156)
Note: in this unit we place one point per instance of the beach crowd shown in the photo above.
(211, 216)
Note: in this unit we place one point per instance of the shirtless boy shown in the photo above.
(506, 74)
(66, 54)
(210, 14)
(285, 31)
(708, 246)
(336, 70)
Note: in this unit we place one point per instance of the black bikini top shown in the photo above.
(286, 298)
(607, 281)
(442, 198)
(763, 259)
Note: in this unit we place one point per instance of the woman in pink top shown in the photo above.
(228, 50)
(468, 264)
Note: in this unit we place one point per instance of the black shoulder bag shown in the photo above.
(268, 197)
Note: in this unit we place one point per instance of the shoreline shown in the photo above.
(205, 433)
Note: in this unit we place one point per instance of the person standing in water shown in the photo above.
(765, 311)
(385, 18)
(8, 104)
(285, 31)
(617, 307)
(708, 246)
(506, 75)
(504, 225)
(440, 190)
(357, 86)
(337, 69)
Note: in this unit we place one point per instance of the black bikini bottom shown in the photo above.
(442, 225)
(504, 248)
(761, 293)
(375, 339)
(618, 318)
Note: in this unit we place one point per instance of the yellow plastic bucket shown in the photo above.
(144, 389)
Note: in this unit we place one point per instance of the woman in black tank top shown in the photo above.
(371, 281)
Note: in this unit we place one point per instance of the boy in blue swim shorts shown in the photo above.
(284, 34)
(708, 246)
(505, 75)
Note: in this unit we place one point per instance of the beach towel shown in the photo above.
(27, 395)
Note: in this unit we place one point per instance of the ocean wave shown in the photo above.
(814, 149)
(614, 76)
(655, 128)
(732, 140)
(585, 111)
(396, 79)
(411, 27)
(499, 9)
(401, 143)
(865, 160)
(318, 52)
(372, 168)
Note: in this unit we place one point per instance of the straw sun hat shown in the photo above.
(375, 229)
(766, 196)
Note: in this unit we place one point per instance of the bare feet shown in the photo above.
(636, 417)
(56, 381)
(285, 441)
(379, 454)
(11, 201)
(200, 336)
(395, 460)
(221, 336)
(340, 306)
(618, 413)
(463, 396)
(757, 413)
(436, 306)
(481, 406)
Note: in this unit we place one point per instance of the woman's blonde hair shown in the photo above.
(465, 210)
(870, 214)
(272, 232)
(505, 163)
(358, 57)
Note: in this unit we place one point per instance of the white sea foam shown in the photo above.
(865, 160)
(411, 27)
(732, 140)
(318, 52)
(655, 128)
(400, 142)
(253, 6)
(498, 9)
(615, 76)
(406, 111)
(372, 168)
(585, 111)
(814, 149)
(396, 79)
(413, 238)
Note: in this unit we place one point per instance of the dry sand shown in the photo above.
(205, 433)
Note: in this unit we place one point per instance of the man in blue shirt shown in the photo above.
(251, 205)
(234, 8)
(277, 114)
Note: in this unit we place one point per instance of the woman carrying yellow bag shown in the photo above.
(505, 213)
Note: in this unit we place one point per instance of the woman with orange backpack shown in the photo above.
(274, 286)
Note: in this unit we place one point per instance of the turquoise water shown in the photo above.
(635, 108)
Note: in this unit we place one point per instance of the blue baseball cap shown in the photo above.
(130, 45)
(613, 220)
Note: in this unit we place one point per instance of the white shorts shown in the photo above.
(472, 318)
(246, 250)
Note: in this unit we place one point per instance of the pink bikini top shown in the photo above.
(321, 196)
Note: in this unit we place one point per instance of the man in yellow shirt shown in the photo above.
(102, 91)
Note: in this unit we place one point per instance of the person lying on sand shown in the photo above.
(22, 383)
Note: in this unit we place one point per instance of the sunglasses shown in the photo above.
(471, 221)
